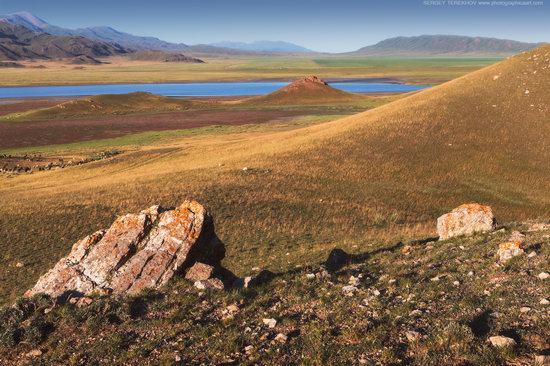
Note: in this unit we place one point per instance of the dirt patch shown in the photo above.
(13, 164)
(39, 133)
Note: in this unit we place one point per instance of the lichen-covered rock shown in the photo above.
(465, 220)
(512, 247)
(138, 251)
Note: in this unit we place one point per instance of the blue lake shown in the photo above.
(229, 89)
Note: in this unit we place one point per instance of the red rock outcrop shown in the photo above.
(138, 251)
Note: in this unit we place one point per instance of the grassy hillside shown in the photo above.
(367, 179)
(427, 304)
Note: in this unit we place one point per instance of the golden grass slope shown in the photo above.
(375, 176)
(104, 104)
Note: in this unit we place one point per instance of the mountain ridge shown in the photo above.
(432, 45)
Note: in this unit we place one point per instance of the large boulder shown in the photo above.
(465, 220)
(138, 251)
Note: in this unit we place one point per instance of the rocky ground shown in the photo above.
(460, 301)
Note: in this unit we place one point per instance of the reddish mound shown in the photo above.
(307, 90)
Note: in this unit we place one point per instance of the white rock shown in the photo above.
(412, 335)
(270, 322)
(310, 276)
(532, 254)
(456, 283)
(471, 273)
(524, 309)
(500, 341)
(544, 302)
(543, 275)
(281, 338)
(354, 281)
(349, 290)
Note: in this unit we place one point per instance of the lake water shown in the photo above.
(229, 89)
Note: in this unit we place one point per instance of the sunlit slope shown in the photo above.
(379, 175)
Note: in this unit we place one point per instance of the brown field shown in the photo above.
(49, 132)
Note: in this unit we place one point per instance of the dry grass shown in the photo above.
(375, 176)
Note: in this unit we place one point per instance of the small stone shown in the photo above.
(232, 308)
(245, 169)
(501, 341)
(270, 322)
(248, 349)
(456, 283)
(34, 353)
(496, 77)
(349, 290)
(84, 301)
(406, 249)
(524, 309)
(177, 358)
(376, 292)
(310, 276)
(512, 247)
(199, 272)
(543, 275)
(416, 313)
(542, 360)
(434, 279)
(212, 283)
(544, 302)
(412, 335)
(471, 273)
(526, 92)
(532, 254)
(354, 281)
(19, 265)
(281, 338)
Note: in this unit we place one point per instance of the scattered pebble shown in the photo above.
(543, 275)
(524, 309)
(310, 276)
(501, 341)
(412, 335)
(349, 290)
(532, 254)
(270, 322)
(34, 353)
(281, 338)
(544, 302)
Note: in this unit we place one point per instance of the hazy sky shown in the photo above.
(322, 25)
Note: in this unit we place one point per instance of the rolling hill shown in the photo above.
(307, 90)
(20, 43)
(434, 45)
(104, 104)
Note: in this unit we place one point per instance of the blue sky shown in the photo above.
(322, 25)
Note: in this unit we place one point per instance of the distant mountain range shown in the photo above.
(103, 34)
(439, 45)
(264, 46)
(20, 43)
(110, 41)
